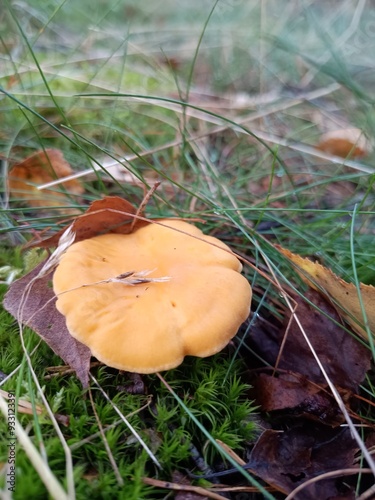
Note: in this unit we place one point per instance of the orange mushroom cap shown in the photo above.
(150, 327)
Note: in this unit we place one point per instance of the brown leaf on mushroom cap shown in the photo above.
(39, 313)
(39, 168)
(111, 214)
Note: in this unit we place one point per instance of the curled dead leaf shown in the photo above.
(345, 359)
(39, 168)
(298, 396)
(344, 143)
(299, 387)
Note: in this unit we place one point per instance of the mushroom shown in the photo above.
(192, 302)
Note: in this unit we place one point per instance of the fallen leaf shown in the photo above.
(345, 360)
(343, 295)
(344, 143)
(286, 459)
(111, 214)
(300, 386)
(298, 395)
(39, 168)
(39, 313)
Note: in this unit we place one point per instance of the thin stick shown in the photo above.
(144, 203)
(182, 487)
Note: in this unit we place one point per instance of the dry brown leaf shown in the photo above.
(286, 459)
(345, 359)
(343, 295)
(300, 387)
(344, 143)
(39, 168)
(39, 313)
(295, 392)
(112, 214)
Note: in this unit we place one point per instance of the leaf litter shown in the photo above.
(40, 313)
(343, 295)
(345, 359)
(345, 143)
(306, 439)
(289, 458)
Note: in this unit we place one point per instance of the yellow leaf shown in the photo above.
(343, 295)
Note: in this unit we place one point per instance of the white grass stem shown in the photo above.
(127, 423)
(65, 241)
(53, 486)
(115, 468)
